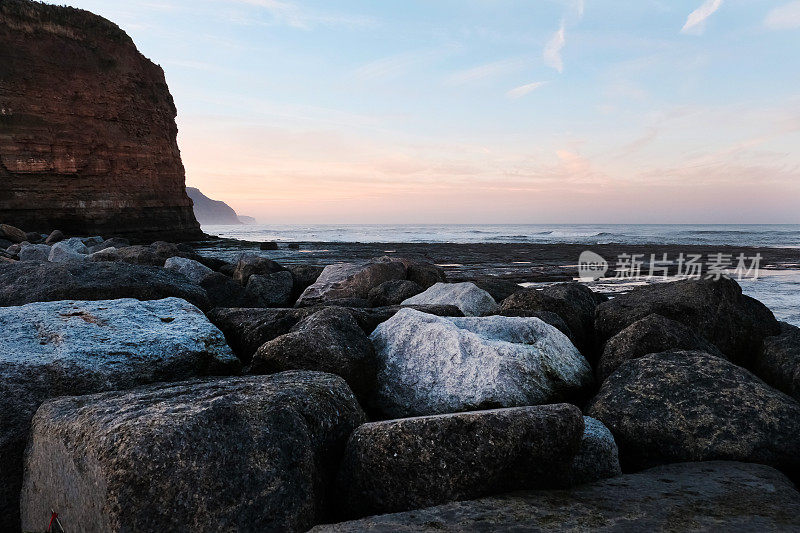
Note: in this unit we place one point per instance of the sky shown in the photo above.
(483, 111)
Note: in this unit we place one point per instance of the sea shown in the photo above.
(778, 289)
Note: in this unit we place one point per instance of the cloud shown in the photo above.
(785, 17)
(519, 92)
(552, 51)
(488, 70)
(696, 21)
(302, 18)
(392, 67)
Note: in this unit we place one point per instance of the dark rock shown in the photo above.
(193, 270)
(413, 463)
(22, 283)
(499, 288)
(113, 242)
(293, 246)
(34, 252)
(351, 280)
(237, 454)
(330, 341)
(222, 291)
(425, 274)
(12, 233)
(652, 334)
(228, 269)
(214, 263)
(692, 406)
(270, 290)
(304, 276)
(369, 318)
(70, 348)
(253, 264)
(778, 361)
(715, 310)
(268, 246)
(5, 243)
(711, 496)
(33, 237)
(393, 292)
(54, 237)
(597, 457)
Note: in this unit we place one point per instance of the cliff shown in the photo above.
(208, 211)
(88, 140)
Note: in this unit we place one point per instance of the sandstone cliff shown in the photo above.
(87, 129)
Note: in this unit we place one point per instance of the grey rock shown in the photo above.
(190, 268)
(351, 280)
(114, 242)
(34, 252)
(546, 316)
(471, 300)
(778, 361)
(369, 318)
(12, 233)
(269, 290)
(710, 496)
(222, 291)
(597, 457)
(304, 276)
(14, 248)
(92, 241)
(253, 264)
(393, 292)
(76, 244)
(33, 237)
(692, 406)
(236, 454)
(499, 288)
(63, 252)
(54, 237)
(413, 463)
(72, 347)
(432, 365)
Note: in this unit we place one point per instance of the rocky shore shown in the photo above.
(154, 388)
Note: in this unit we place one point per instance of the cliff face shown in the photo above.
(210, 211)
(88, 141)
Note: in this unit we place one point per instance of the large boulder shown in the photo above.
(573, 302)
(63, 252)
(692, 406)
(194, 270)
(331, 341)
(432, 365)
(498, 288)
(254, 264)
(413, 463)
(711, 496)
(304, 276)
(34, 252)
(155, 254)
(222, 291)
(715, 309)
(22, 283)
(778, 361)
(423, 273)
(471, 300)
(236, 454)
(269, 290)
(12, 233)
(597, 457)
(652, 334)
(72, 347)
(55, 236)
(393, 292)
(343, 281)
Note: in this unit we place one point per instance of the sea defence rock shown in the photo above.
(194, 270)
(22, 283)
(597, 457)
(393, 292)
(87, 130)
(709, 496)
(249, 264)
(71, 347)
(413, 463)
(238, 454)
(692, 406)
(34, 252)
(471, 300)
(343, 281)
(270, 290)
(434, 365)
(714, 309)
(778, 361)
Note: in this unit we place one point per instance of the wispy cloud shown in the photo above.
(519, 92)
(696, 21)
(295, 16)
(488, 70)
(785, 17)
(395, 66)
(552, 51)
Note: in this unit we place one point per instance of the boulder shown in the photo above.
(11, 233)
(269, 290)
(134, 255)
(414, 463)
(714, 309)
(269, 246)
(471, 300)
(597, 457)
(393, 292)
(72, 347)
(34, 237)
(5, 244)
(76, 244)
(330, 341)
(114, 242)
(304, 276)
(573, 302)
(54, 237)
(236, 454)
(652, 334)
(432, 365)
(499, 288)
(351, 280)
(22, 283)
(710, 496)
(546, 316)
(778, 361)
(369, 318)
(63, 252)
(34, 252)
(247, 265)
(692, 406)
(424, 274)
(222, 291)
(194, 270)
(14, 249)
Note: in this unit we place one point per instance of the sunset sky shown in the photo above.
(296, 111)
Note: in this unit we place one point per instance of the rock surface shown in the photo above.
(471, 300)
(413, 463)
(778, 361)
(22, 283)
(34, 252)
(88, 141)
(269, 290)
(711, 496)
(692, 406)
(597, 457)
(64, 252)
(351, 280)
(63, 348)
(393, 292)
(237, 454)
(433, 365)
(254, 264)
(193, 270)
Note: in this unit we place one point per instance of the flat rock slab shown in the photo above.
(53, 349)
(22, 283)
(710, 496)
(434, 365)
(235, 454)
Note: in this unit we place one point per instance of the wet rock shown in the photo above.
(72, 347)
(193, 270)
(715, 310)
(241, 454)
(710, 496)
(413, 463)
(778, 361)
(393, 292)
(471, 300)
(12, 233)
(330, 341)
(54, 237)
(652, 334)
(432, 365)
(345, 281)
(270, 290)
(22, 283)
(597, 457)
(34, 252)
(253, 264)
(692, 406)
